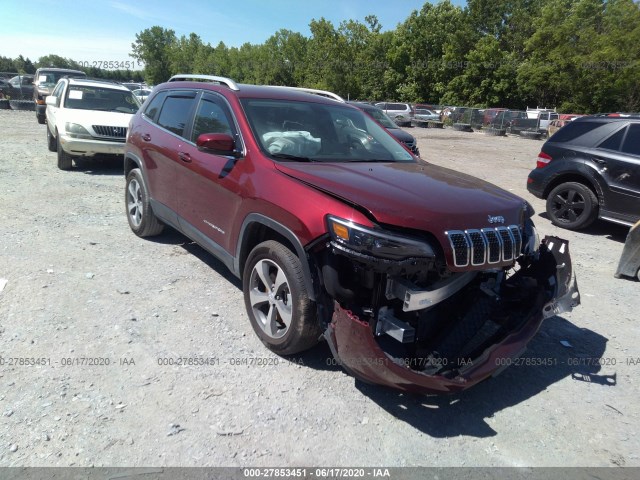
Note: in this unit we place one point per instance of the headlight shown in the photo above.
(76, 131)
(376, 243)
(531, 238)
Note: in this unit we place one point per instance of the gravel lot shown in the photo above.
(83, 291)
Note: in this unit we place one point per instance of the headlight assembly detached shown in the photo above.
(376, 243)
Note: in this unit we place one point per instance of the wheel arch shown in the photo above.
(590, 183)
(131, 161)
(258, 228)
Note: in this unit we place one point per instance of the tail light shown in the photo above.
(543, 160)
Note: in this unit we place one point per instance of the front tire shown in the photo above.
(65, 161)
(52, 143)
(277, 301)
(142, 220)
(572, 205)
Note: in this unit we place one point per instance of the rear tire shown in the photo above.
(277, 301)
(65, 161)
(572, 205)
(142, 220)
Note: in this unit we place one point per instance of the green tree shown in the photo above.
(184, 53)
(427, 51)
(154, 47)
(57, 61)
(284, 58)
(7, 65)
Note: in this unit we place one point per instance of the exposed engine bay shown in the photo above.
(437, 324)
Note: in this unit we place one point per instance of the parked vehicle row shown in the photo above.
(85, 118)
(44, 82)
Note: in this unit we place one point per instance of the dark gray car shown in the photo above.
(383, 119)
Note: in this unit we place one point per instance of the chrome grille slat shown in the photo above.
(110, 131)
(494, 243)
(507, 243)
(478, 247)
(485, 247)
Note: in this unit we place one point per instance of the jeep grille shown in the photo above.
(485, 247)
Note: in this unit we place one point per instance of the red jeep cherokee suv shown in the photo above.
(418, 277)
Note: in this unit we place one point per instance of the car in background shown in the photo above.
(453, 114)
(134, 85)
(434, 108)
(383, 119)
(45, 80)
(418, 277)
(426, 114)
(141, 94)
(86, 118)
(18, 87)
(561, 121)
(400, 113)
(590, 169)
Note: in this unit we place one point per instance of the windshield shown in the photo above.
(308, 131)
(98, 98)
(47, 79)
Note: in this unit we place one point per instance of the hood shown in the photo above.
(412, 195)
(401, 135)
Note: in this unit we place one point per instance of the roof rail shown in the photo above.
(211, 78)
(314, 91)
(633, 115)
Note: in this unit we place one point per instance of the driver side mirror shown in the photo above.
(218, 143)
(51, 100)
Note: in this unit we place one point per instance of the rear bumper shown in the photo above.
(355, 346)
(535, 184)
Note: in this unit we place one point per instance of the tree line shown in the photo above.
(579, 56)
(26, 66)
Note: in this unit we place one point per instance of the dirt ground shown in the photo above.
(101, 311)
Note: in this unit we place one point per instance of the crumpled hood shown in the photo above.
(421, 196)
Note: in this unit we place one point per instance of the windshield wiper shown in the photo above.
(370, 160)
(287, 156)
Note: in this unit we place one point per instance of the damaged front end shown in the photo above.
(403, 318)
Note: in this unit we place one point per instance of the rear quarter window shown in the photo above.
(154, 106)
(613, 142)
(574, 130)
(632, 140)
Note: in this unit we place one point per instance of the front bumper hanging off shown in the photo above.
(355, 346)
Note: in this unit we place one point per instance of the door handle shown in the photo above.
(600, 161)
(146, 137)
(185, 157)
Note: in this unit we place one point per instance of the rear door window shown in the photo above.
(176, 112)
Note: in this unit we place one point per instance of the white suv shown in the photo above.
(401, 113)
(88, 117)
